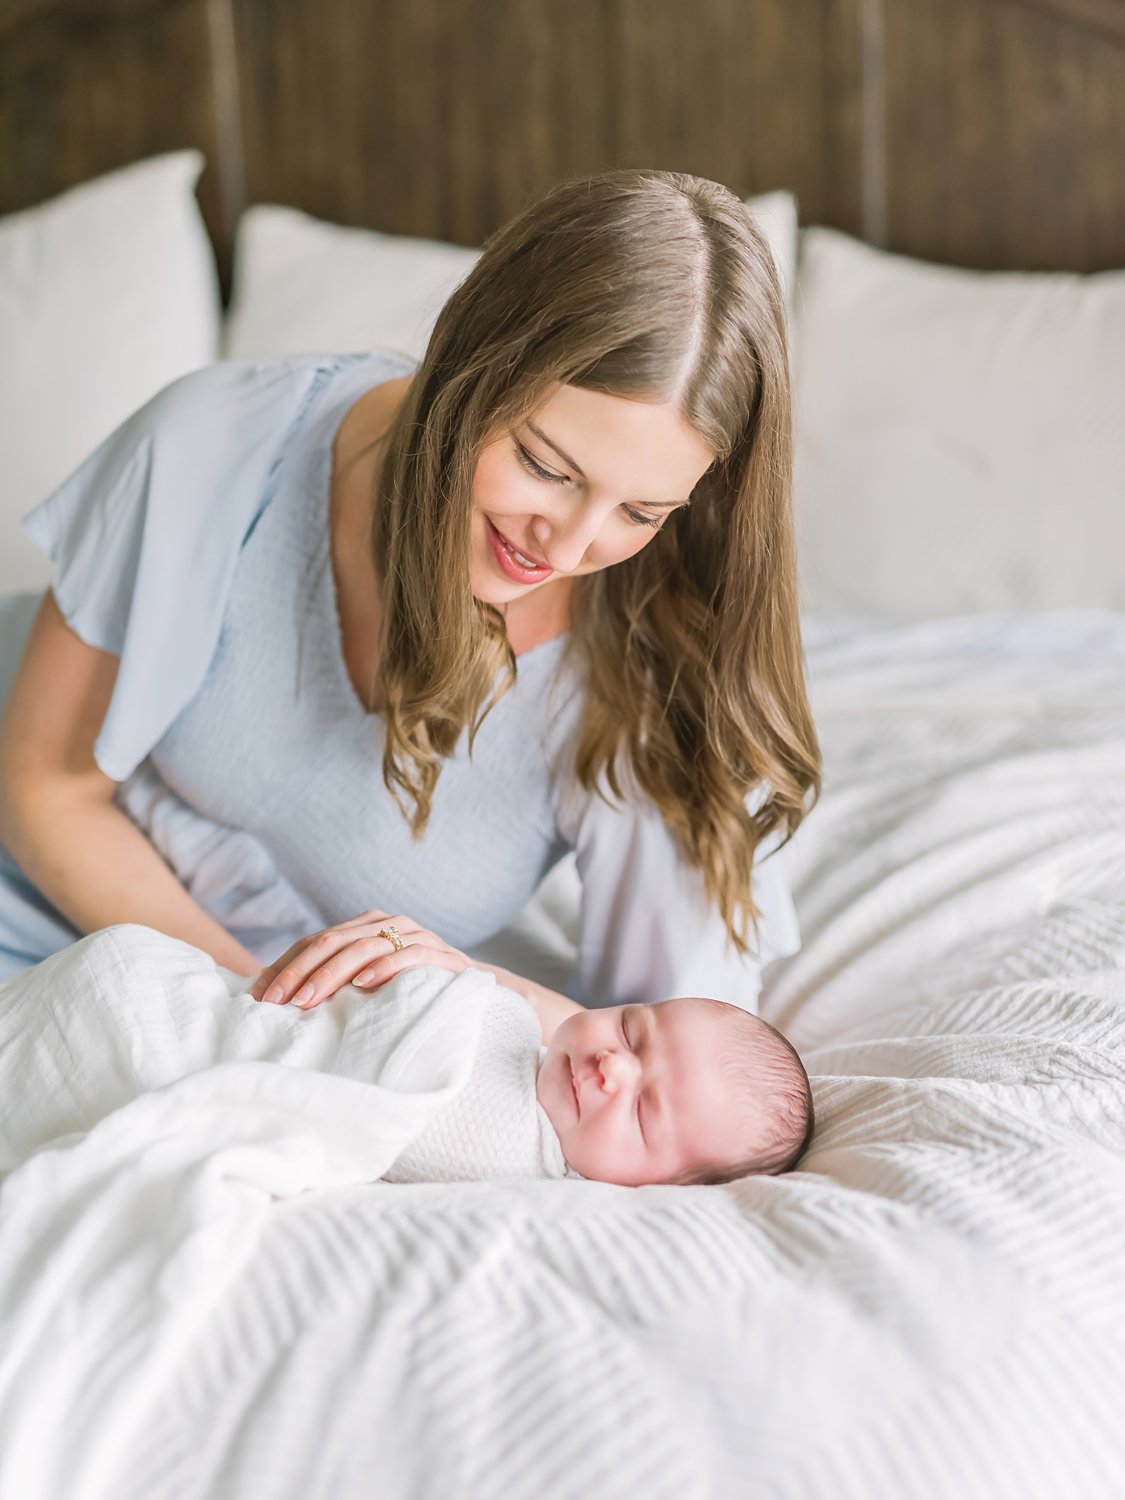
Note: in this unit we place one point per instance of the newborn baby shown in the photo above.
(682, 1091)
(130, 1037)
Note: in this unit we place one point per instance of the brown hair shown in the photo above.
(651, 286)
(761, 1068)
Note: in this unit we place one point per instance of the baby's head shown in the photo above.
(683, 1091)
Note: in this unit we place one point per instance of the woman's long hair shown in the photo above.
(653, 286)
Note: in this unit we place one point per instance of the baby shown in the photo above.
(435, 1077)
(681, 1091)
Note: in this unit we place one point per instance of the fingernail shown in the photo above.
(273, 994)
(362, 979)
(306, 992)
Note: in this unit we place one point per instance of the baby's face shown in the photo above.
(631, 1090)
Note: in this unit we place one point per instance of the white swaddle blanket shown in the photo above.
(435, 1071)
(152, 1115)
(495, 1127)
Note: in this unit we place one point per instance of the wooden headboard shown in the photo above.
(983, 133)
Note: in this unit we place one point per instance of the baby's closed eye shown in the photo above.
(629, 1044)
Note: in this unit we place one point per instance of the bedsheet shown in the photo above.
(932, 1306)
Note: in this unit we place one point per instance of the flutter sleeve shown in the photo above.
(145, 537)
(647, 930)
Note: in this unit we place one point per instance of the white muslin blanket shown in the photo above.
(151, 1116)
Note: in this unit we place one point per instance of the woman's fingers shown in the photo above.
(324, 981)
(315, 968)
(340, 970)
(280, 981)
(271, 971)
(356, 959)
(433, 952)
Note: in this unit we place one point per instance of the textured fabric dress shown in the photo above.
(194, 545)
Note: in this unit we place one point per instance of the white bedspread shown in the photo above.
(933, 1306)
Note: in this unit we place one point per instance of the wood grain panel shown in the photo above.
(977, 132)
(443, 117)
(1006, 135)
(727, 90)
(427, 118)
(1107, 16)
(87, 87)
(846, 170)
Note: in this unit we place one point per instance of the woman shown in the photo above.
(331, 635)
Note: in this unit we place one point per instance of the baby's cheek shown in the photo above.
(562, 1121)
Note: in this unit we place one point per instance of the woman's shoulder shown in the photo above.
(234, 399)
(146, 534)
(208, 441)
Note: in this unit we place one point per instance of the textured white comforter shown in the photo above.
(934, 1305)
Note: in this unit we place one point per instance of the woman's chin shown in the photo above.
(489, 588)
(498, 598)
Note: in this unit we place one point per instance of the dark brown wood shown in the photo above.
(444, 118)
(843, 117)
(977, 132)
(1106, 16)
(1006, 136)
(725, 90)
(85, 88)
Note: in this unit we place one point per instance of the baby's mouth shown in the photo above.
(574, 1088)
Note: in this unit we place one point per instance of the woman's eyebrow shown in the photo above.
(566, 458)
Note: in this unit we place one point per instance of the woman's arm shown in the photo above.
(551, 1007)
(647, 926)
(56, 806)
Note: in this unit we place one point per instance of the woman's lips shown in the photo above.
(504, 553)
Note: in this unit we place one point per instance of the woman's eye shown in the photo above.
(538, 470)
(638, 518)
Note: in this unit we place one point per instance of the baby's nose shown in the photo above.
(616, 1067)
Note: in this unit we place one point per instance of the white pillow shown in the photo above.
(776, 216)
(302, 284)
(960, 435)
(107, 293)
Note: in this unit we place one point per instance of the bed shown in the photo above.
(933, 1304)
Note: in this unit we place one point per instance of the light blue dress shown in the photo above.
(194, 545)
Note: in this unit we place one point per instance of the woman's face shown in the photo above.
(583, 483)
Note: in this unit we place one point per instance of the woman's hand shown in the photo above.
(351, 953)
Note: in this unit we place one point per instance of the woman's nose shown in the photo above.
(564, 543)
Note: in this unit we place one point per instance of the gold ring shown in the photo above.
(391, 935)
